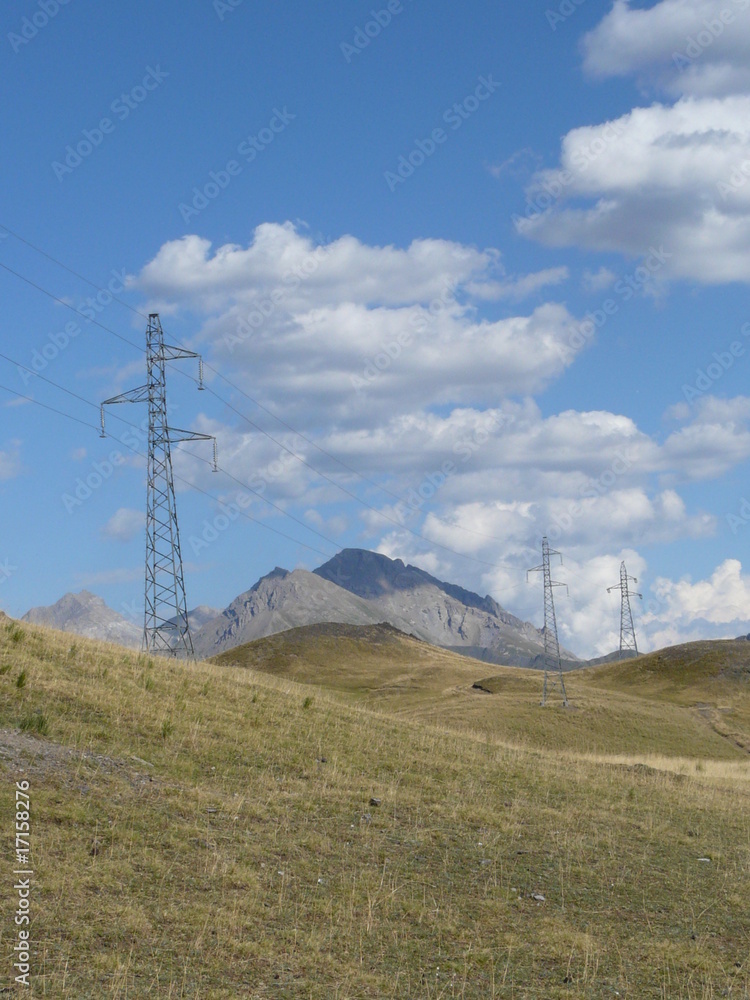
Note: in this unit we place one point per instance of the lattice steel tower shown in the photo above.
(627, 629)
(166, 630)
(553, 673)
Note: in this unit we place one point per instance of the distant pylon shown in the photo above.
(627, 629)
(166, 630)
(553, 673)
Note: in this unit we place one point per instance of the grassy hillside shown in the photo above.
(614, 711)
(207, 832)
(363, 660)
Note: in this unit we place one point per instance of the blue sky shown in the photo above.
(493, 245)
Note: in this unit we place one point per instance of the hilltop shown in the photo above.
(370, 661)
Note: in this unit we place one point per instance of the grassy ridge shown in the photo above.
(206, 832)
(644, 706)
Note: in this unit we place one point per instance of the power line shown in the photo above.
(215, 371)
(187, 483)
(353, 496)
(317, 472)
(140, 454)
(246, 486)
(217, 468)
(45, 406)
(67, 305)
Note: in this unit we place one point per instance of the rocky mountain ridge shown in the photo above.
(355, 587)
(86, 614)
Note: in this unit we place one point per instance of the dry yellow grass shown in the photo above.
(206, 832)
(690, 706)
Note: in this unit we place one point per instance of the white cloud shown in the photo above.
(363, 332)
(716, 438)
(124, 524)
(723, 599)
(522, 287)
(598, 281)
(280, 257)
(673, 178)
(694, 47)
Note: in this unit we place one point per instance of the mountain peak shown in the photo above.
(444, 614)
(279, 601)
(372, 574)
(86, 614)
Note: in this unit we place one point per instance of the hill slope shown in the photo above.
(206, 832)
(382, 668)
(369, 660)
(712, 678)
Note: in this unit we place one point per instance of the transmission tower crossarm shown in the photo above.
(139, 395)
(176, 435)
(169, 353)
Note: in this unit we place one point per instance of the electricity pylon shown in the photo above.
(553, 673)
(166, 630)
(627, 629)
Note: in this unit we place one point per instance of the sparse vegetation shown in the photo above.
(15, 633)
(242, 857)
(37, 722)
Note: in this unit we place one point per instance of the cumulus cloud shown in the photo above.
(715, 438)
(672, 176)
(721, 600)
(675, 178)
(280, 257)
(696, 47)
(363, 331)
